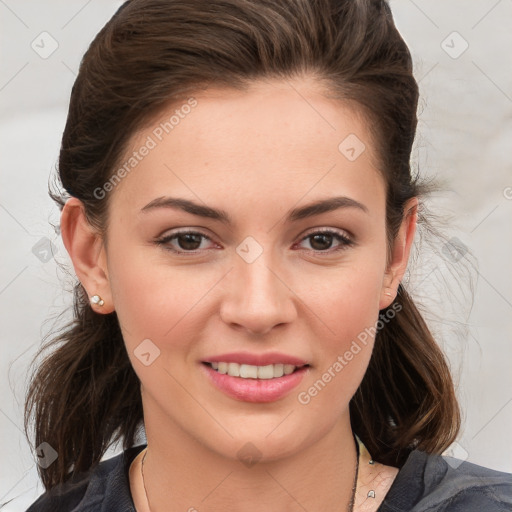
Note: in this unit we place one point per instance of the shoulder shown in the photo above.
(104, 487)
(434, 483)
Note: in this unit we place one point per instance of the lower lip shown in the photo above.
(255, 390)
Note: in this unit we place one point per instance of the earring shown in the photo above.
(96, 300)
(388, 293)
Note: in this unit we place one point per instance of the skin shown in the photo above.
(256, 154)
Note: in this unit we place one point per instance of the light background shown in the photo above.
(464, 136)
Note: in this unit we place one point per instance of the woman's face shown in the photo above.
(264, 279)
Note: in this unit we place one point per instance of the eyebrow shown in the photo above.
(310, 210)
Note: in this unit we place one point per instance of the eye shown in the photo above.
(322, 240)
(183, 241)
(192, 242)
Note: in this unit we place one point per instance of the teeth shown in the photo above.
(266, 372)
(234, 369)
(248, 371)
(288, 368)
(278, 370)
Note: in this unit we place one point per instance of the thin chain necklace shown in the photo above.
(350, 507)
(143, 482)
(354, 487)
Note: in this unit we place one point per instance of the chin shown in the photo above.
(266, 442)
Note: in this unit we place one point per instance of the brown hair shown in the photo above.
(85, 394)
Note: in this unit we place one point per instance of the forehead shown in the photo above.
(276, 141)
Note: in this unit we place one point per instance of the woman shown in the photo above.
(240, 211)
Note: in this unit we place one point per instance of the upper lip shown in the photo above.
(256, 359)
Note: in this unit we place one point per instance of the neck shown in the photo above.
(182, 474)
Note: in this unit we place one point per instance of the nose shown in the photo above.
(257, 298)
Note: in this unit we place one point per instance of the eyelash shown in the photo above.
(345, 242)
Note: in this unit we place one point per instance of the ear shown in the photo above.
(399, 254)
(86, 249)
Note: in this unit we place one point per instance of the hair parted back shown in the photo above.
(84, 395)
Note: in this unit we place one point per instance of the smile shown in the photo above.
(251, 383)
(249, 371)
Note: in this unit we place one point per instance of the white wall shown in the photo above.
(465, 136)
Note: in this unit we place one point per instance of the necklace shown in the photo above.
(350, 507)
(354, 487)
(143, 482)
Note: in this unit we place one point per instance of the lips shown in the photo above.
(255, 377)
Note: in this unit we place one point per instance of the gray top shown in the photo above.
(426, 483)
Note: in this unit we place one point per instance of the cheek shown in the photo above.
(348, 305)
(151, 301)
(346, 300)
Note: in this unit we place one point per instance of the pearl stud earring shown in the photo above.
(96, 300)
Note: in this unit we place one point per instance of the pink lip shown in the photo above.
(256, 359)
(255, 390)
